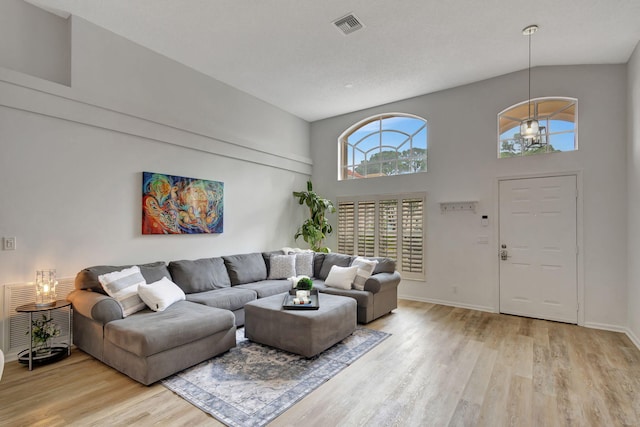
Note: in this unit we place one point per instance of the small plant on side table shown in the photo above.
(42, 330)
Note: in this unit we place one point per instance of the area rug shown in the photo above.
(252, 384)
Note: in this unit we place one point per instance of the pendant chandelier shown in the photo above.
(529, 129)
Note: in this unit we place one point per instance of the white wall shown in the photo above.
(633, 190)
(71, 159)
(41, 49)
(463, 165)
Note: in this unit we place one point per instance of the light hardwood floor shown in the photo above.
(442, 366)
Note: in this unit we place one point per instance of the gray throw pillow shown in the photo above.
(304, 264)
(282, 266)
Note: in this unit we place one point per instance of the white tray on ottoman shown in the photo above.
(303, 332)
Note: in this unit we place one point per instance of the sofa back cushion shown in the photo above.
(330, 260)
(385, 265)
(318, 259)
(199, 275)
(87, 279)
(245, 268)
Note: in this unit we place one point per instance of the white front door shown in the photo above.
(538, 248)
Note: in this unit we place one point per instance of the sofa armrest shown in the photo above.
(382, 281)
(96, 306)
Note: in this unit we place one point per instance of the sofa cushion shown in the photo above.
(122, 286)
(245, 268)
(385, 265)
(363, 298)
(267, 255)
(304, 264)
(341, 277)
(227, 298)
(365, 270)
(282, 267)
(330, 260)
(200, 275)
(266, 288)
(148, 332)
(87, 279)
(161, 294)
(318, 259)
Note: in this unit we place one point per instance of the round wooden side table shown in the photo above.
(57, 352)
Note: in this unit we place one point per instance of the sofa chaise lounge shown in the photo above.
(149, 345)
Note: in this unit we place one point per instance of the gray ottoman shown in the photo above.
(304, 332)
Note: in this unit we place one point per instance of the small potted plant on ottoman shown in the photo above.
(305, 284)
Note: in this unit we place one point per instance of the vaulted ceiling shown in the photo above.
(290, 54)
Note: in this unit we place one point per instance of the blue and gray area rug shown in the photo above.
(252, 384)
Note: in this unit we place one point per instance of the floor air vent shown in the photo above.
(348, 24)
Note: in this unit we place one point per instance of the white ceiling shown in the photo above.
(288, 52)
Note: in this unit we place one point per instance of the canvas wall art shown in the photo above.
(179, 205)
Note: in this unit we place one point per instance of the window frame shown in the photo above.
(344, 146)
(541, 119)
(353, 240)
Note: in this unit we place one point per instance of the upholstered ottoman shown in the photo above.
(304, 332)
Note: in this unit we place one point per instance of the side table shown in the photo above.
(57, 352)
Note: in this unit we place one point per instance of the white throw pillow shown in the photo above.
(304, 264)
(282, 266)
(161, 294)
(365, 270)
(341, 277)
(123, 287)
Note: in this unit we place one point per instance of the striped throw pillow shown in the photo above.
(123, 287)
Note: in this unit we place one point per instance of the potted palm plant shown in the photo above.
(316, 227)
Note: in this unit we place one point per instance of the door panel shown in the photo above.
(538, 232)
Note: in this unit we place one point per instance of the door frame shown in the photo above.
(579, 233)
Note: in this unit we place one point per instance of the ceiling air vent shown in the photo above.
(348, 24)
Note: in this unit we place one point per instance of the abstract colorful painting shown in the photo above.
(179, 205)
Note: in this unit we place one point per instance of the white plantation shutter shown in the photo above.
(412, 235)
(386, 226)
(367, 228)
(346, 227)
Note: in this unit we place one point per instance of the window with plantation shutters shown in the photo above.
(367, 228)
(346, 227)
(386, 226)
(412, 235)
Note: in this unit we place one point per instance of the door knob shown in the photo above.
(504, 254)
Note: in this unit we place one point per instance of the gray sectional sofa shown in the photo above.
(149, 345)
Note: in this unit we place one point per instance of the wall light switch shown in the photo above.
(485, 220)
(9, 243)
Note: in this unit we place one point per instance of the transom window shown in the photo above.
(384, 145)
(558, 127)
(390, 226)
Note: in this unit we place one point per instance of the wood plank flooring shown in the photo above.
(442, 366)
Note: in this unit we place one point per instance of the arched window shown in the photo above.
(558, 120)
(383, 145)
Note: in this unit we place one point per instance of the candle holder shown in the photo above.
(45, 288)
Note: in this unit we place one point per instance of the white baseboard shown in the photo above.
(634, 339)
(449, 303)
(605, 327)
